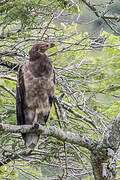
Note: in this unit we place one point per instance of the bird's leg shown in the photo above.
(35, 121)
(38, 119)
(41, 119)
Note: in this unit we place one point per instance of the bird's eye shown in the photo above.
(48, 45)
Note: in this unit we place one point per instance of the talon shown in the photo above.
(36, 124)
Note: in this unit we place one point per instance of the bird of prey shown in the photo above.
(35, 91)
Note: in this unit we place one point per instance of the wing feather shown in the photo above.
(20, 91)
(51, 97)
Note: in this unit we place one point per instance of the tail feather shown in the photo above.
(31, 140)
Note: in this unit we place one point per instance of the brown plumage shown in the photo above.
(34, 91)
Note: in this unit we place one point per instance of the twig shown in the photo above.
(8, 90)
(8, 77)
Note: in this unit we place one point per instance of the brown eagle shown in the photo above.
(34, 91)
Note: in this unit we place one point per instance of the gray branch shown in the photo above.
(102, 153)
(9, 65)
(8, 90)
(10, 53)
(103, 157)
(111, 136)
(58, 133)
(102, 15)
(8, 77)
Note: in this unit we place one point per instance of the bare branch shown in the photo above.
(103, 158)
(13, 156)
(8, 90)
(9, 64)
(67, 136)
(10, 53)
(8, 77)
(111, 136)
(102, 15)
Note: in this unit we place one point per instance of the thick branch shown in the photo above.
(103, 158)
(111, 138)
(67, 136)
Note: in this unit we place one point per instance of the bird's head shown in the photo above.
(39, 49)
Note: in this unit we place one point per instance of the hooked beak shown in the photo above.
(50, 45)
(45, 47)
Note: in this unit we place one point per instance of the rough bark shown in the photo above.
(58, 133)
(102, 153)
(103, 157)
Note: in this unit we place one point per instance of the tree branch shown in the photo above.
(9, 65)
(102, 15)
(103, 158)
(58, 133)
(12, 156)
(8, 77)
(8, 90)
(111, 136)
(10, 53)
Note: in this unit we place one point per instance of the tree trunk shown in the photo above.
(103, 169)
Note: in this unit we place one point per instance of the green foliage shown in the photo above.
(7, 103)
(106, 79)
(19, 10)
(89, 80)
(26, 13)
(63, 3)
(19, 173)
(4, 171)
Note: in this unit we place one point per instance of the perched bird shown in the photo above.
(34, 91)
